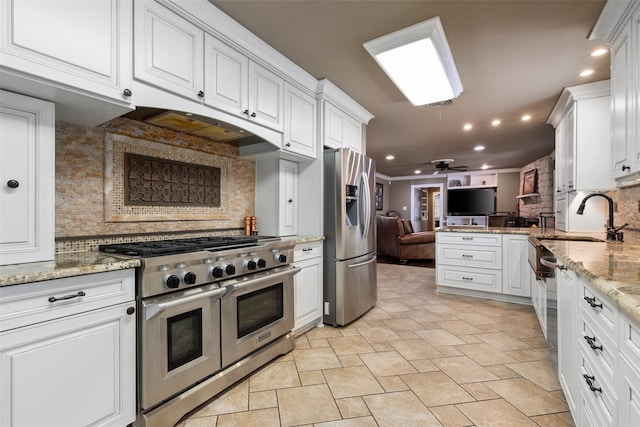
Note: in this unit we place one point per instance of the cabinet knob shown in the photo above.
(200, 94)
(127, 92)
(290, 201)
(625, 168)
(245, 112)
(253, 114)
(130, 311)
(288, 144)
(12, 183)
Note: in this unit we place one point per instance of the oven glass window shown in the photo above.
(184, 338)
(259, 308)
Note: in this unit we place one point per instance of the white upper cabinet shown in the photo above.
(169, 51)
(301, 130)
(619, 25)
(266, 97)
(27, 158)
(343, 120)
(226, 79)
(581, 118)
(80, 48)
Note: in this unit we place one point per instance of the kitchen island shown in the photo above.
(611, 267)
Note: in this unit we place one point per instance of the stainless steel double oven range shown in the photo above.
(210, 311)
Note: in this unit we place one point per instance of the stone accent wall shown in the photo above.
(531, 207)
(80, 181)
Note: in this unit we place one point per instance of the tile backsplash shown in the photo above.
(80, 182)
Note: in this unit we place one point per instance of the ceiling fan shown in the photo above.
(443, 165)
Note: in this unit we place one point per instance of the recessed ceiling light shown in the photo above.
(467, 126)
(390, 157)
(599, 52)
(526, 117)
(485, 166)
(479, 147)
(586, 73)
(417, 171)
(496, 122)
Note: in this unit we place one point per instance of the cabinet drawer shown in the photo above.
(470, 239)
(600, 393)
(599, 308)
(484, 257)
(629, 344)
(598, 347)
(470, 278)
(307, 250)
(22, 305)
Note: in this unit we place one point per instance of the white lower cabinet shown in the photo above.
(567, 321)
(515, 267)
(308, 286)
(598, 355)
(77, 367)
(493, 265)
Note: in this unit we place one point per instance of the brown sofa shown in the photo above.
(395, 238)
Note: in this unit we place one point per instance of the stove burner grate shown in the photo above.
(178, 246)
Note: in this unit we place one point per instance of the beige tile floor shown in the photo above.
(419, 358)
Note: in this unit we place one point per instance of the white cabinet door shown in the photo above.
(226, 83)
(169, 51)
(515, 267)
(266, 97)
(84, 45)
(300, 132)
(567, 335)
(353, 135)
(288, 198)
(73, 371)
(341, 130)
(27, 157)
(621, 105)
(629, 394)
(308, 285)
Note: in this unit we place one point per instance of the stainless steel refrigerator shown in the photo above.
(350, 287)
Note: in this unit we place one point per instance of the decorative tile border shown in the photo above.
(115, 209)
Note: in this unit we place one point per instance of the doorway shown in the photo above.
(426, 206)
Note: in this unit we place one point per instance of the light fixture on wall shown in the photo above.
(418, 61)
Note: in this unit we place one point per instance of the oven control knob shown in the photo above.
(262, 263)
(172, 281)
(190, 278)
(217, 272)
(251, 265)
(230, 269)
(281, 258)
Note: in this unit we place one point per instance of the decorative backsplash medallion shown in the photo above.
(169, 183)
(151, 181)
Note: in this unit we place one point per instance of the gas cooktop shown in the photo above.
(178, 246)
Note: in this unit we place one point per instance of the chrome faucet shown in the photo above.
(612, 232)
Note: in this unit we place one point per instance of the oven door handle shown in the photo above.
(257, 281)
(155, 309)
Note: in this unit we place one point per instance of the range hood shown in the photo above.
(195, 124)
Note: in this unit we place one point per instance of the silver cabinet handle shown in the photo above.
(154, 309)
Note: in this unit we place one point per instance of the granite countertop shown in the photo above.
(612, 267)
(79, 263)
(64, 265)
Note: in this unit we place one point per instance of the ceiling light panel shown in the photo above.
(418, 61)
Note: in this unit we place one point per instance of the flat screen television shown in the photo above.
(471, 201)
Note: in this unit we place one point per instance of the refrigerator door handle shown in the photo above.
(365, 205)
(360, 264)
